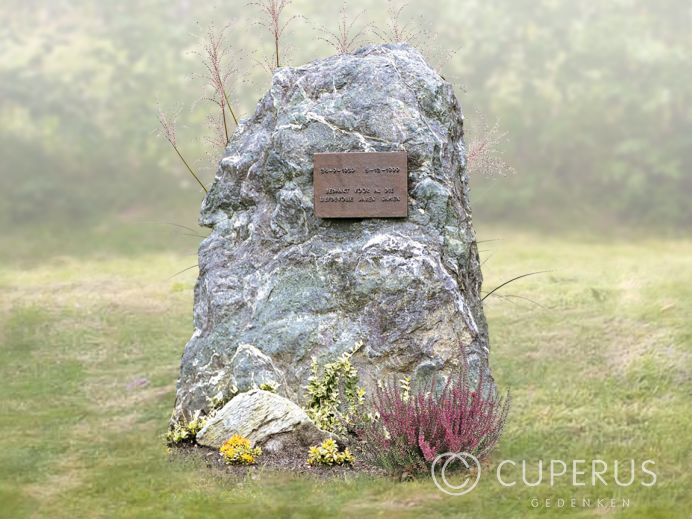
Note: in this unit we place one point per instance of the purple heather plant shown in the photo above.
(415, 427)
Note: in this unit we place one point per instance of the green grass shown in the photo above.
(601, 370)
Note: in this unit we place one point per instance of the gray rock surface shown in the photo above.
(293, 286)
(268, 420)
(250, 368)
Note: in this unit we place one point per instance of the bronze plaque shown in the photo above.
(361, 185)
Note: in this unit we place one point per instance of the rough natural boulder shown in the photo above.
(268, 420)
(291, 286)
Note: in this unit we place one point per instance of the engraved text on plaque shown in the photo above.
(361, 185)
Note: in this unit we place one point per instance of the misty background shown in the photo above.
(594, 99)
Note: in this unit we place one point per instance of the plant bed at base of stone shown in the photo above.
(293, 460)
(404, 432)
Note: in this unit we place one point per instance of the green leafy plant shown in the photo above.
(216, 402)
(328, 454)
(334, 396)
(185, 432)
(269, 386)
(237, 450)
(405, 386)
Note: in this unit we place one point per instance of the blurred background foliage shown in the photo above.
(595, 99)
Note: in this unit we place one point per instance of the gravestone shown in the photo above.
(294, 270)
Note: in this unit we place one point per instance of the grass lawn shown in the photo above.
(90, 348)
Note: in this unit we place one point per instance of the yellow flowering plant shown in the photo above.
(328, 454)
(238, 451)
